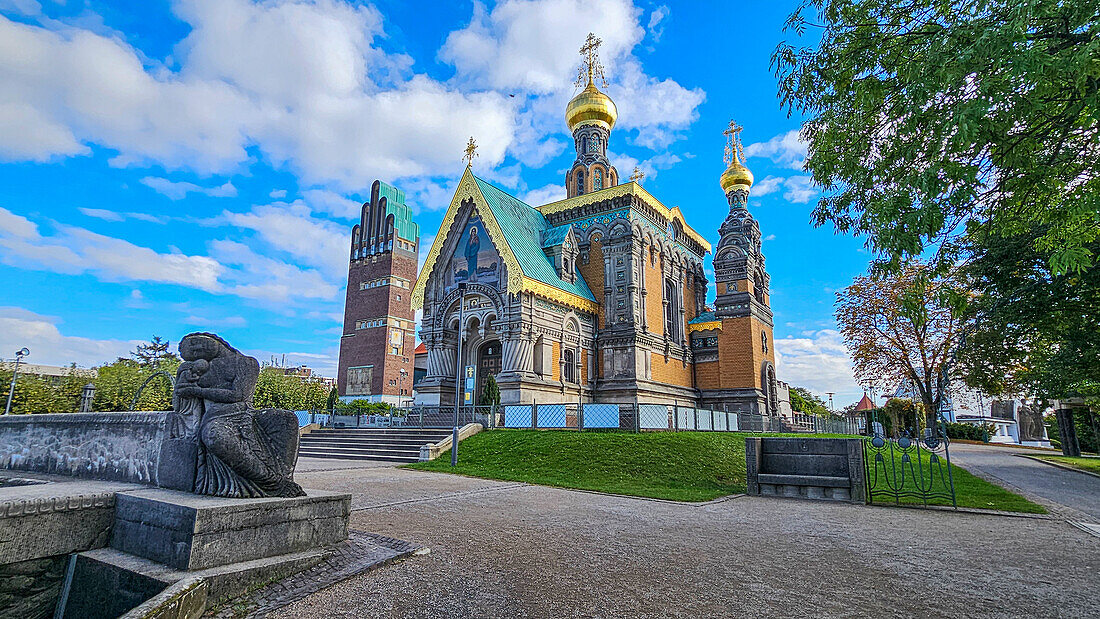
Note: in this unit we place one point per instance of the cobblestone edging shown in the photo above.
(360, 553)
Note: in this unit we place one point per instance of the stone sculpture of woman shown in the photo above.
(241, 452)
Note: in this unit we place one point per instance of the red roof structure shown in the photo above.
(865, 404)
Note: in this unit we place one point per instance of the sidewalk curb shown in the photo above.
(1061, 466)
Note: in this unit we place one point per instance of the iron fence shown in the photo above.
(573, 416)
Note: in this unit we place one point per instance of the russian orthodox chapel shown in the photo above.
(600, 297)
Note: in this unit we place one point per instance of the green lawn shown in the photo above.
(681, 466)
(1087, 463)
(970, 490)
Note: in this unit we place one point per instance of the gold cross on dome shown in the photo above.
(733, 143)
(471, 152)
(637, 175)
(590, 62)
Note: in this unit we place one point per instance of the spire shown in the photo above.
(591, 69)
(471, 152)
(737, 179)
(637, 175)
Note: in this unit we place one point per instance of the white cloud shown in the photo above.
(530, 47)
(770, 184)
(799, 189)
(258, 277)
(49, 346)
(303, 82)
(786, 149)
(818, 361)
(76, 250)
(544, 195)
(109, 215)
(656, 25)
(178, 190)
(290, 228)
(332, 203)
(278, 194)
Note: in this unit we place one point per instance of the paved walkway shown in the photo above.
(500, 549)
(1066, 493)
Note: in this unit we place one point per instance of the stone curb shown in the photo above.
(1061, 466)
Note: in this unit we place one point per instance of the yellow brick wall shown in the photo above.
(584, 365)
(593, 275)
(555, 361)
(739, 352)
(689, 302)
(707, 375)
(673, 373)
(655, 292)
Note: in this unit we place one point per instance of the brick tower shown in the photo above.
(735, 359)
(376, 349)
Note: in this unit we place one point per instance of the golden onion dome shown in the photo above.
(591, 107)
(736, 174)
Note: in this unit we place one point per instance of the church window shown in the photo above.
(598, 183)
(584, 145)
(763, 341)
(618, 260)
(620, 275)
(670, 310)
(570, 366)
(565, 266)
(580, 182)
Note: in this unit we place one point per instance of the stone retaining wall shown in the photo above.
(111, 446)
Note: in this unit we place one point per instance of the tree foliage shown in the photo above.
(1029, 330)
(275, 389)
(39, 394)
(901, 328)
(805, 402)
(930, 119)
(490, 394)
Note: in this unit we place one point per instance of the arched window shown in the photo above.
(584, 145)
(598, 183)
(565, 266)
(670, 310)
(580, 182)
(570, 366)
(758, 285)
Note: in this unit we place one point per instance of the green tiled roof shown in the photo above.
(555, 236)
(704, 317)
(403, 225)
(523, 228)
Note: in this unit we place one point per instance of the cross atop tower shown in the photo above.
(591, 69)
(471, 152)
(637, 175)
(734, 151)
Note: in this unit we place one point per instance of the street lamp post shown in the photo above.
(458, 372)
(23, 352)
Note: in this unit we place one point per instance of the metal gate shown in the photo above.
(907, 470)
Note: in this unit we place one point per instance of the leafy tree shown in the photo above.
(805, 402)
(901, 328)
(929, 119)
(154, 353)
(275, 389)
(333, 398)
(1029, 330)
(1087, 424)
(116, 384)
(490, 395)
(40, 394)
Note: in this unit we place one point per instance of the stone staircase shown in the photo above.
(381, 444)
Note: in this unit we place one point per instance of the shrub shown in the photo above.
(970, 432)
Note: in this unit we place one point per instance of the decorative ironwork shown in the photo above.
(910, 470)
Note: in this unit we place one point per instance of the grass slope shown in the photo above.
(680, 466)
(1086, 463)
(970, 490)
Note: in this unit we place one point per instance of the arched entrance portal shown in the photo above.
(488, 364)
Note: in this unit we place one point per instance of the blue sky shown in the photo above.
(194, 165)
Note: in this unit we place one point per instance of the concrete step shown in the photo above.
(364, 451)
(379, 433)
(345, 456)
(356, 442)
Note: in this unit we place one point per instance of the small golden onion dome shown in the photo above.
(591, 107)
(735, 175)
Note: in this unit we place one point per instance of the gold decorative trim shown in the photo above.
(626, 189)
(704, 326)
(554, 294)
(467, 189)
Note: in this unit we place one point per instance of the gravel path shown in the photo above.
(1073, 495)
(513, 550)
